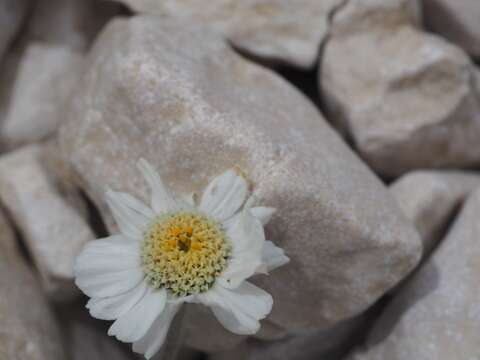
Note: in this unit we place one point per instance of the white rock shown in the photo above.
(275, 30)
(456, 20)
(407, 99)
(430, 198)
(197, 109)
(436, 316)
(12, 13)
(28, 328)
(45, 80)
(53, 229)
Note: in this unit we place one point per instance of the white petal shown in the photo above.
(273, 256)
(224, 195)
(162, 200)
(108, 267)
(247, 237)
(153, 340)
(188, 198)
(134, 324)
(113, 307)
(264, 214)
(130, 214)
(239, 310)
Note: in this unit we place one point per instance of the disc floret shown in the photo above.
(184, 252)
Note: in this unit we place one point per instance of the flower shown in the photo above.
(173, 252)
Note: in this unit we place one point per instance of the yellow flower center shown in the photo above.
(184, 252)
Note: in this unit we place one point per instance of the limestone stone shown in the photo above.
(28, 328)
(198, 109)
(281, 31)
(455, 20)
(12, 13)
(54, 230)
(406, 98)
(430, 198)
(68, 23)
(45, 80)
(436, 316)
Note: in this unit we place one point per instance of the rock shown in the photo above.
(436, 316)
(430, 198)
(12, 13)
(197, 109)
(455, 20)
(29, 330)
(69, 23)
(45, 80)
(281, 31)
(87, 338)
(53, 229)
(407, 99)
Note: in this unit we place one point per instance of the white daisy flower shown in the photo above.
(175, 252)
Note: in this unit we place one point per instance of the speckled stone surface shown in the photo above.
(282, 31)
(408, 99)
(430, 198)
(197, 109)
(436, 316)
(45, 79)
(12, 13)
(455, 20)
(53, 229)
(28, 328)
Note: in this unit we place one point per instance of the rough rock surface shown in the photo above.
(28, 328)
(455, 20)
(436, 316)
(45, 80)
(430, 198)
(12, 13)
(53, 229)
(197, 109)
(407, 99)
(277, 30)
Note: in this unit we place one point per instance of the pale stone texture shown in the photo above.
(198, 109)
(456, 20)
(436, 316)
(430, 198)
(406, 98)
(283, 31)
(53, 229)
(46, 77)
(28, 328)
(70, 23)
(12, 13)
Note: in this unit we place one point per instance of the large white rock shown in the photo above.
(275, 30)
(456, 20)
(28, 328)
(430, 198)
(45, 80)
(197, 109)
(12, 13)
(407, 99)
(54, 230)
(436, 316)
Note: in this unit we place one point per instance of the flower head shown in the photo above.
(173, 252)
